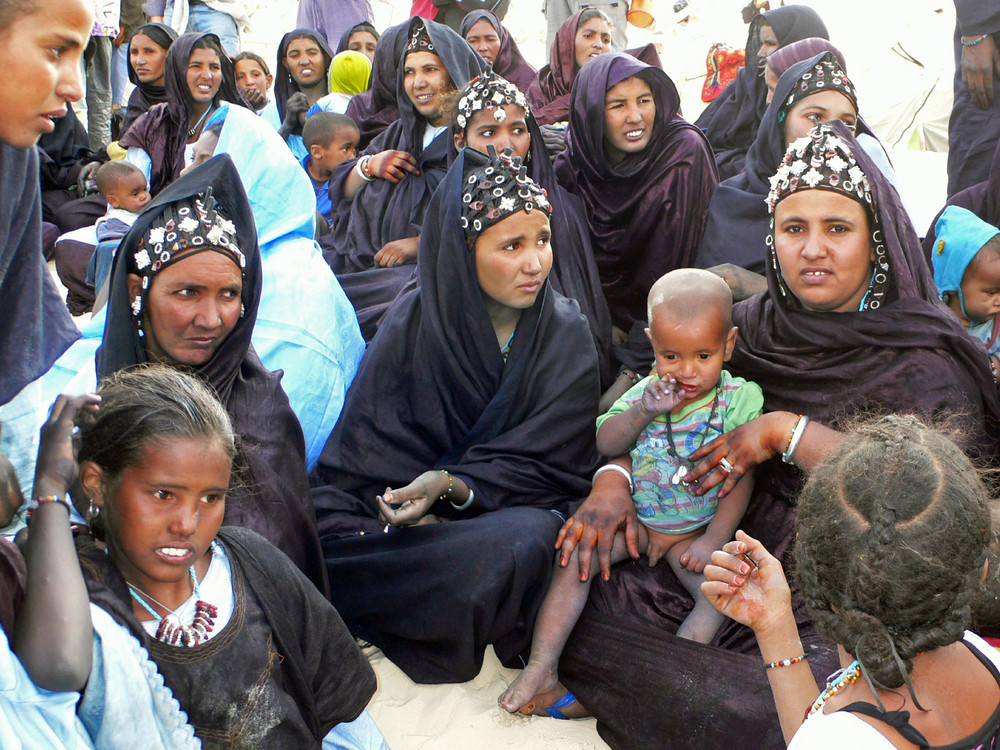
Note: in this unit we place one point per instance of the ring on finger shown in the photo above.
(725, 466)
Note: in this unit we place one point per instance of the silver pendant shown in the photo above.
(682, 471)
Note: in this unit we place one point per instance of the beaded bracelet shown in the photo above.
(43, 499)
(793, 442)
(785, 662)
(974, 42)
(451, 485)
(993, 369)
(634, 377)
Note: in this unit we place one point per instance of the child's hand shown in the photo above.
(698, 554)
(661, 396)
(253, 96)
(56, 468)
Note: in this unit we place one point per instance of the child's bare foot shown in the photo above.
(559, 703)
(535, 679)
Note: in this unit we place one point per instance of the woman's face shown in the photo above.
(513, 258)
(484, 39)
(768, 43)
(823, 244)
(162, 515)
(249, 75)
(40, 58)
(148, 59)
(363, 42)
(771, 81)
(204, 75)
(305, 61)
(593, 38)
(483, 130)
(629, 112)
(816, 108)
(427, 83)
(191, 307)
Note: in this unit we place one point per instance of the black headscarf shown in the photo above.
(145, 95)
(732, 119)
(162, 132)
(510, 63)
(284, 84)
(345, 38)
(274, 499)
(375, 109)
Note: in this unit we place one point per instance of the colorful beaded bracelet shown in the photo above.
(43, 499)
(974, 42)
(451, 485)
(785, 662)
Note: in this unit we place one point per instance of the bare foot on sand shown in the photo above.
(533, 680)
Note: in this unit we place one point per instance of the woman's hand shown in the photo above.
(743, 283)
(408, 505)
(56, 468)
(606, 511)
(743, 447)
(980, 66)
(747, 583)
(392, 165)
(398, 252)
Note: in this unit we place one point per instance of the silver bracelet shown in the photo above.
(467, 503)
(360, 172)
(621, 470)
(800, 427)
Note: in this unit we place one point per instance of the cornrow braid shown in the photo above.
(892, 533)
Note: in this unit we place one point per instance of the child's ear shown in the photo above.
(459, 141)
(649, 335)
(93, 482)
(112, 200)
(270, 80)
(731, 342)
(316, 151)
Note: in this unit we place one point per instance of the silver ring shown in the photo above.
(725, 466)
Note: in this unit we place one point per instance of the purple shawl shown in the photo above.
(909, 356)
(162, 132)
(284, 84)
(548, 95)
(375, 109)
(509, 64)
(273, 497)
(804, 49)
(647, 213)
(731, 120)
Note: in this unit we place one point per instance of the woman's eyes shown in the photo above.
(162, 494)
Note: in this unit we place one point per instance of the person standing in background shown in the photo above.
(453, 12)
(97, 60)
(332, 18)
(227, 19)
(557, 11)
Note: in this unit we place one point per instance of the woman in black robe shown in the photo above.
(732, 119)
(435, 393)
(149, 92)
(907, 355)
(375, 109)
(272, 496)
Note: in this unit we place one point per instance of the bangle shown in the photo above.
(621, 470)
(973, 42)
(993, 369)
(793, 441)
(467, 503)
(362, 169)
(631, 374)
(451, 485)
(785, 662)
(45, 499)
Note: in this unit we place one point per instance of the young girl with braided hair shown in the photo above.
(892, 536)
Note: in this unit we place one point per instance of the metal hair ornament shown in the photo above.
(494, 192)
(420, 40)
(489, 91)
(826, 75)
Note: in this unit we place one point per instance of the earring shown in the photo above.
(136, 305)
(93, 513)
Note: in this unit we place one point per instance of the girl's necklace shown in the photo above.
(197, 125)
(837, 682)
(685, 465)
(505, 349)
(172, 633)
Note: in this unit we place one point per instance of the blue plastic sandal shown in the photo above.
(554, 710)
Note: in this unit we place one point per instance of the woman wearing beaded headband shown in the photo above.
(906, 356)
(891, 543)
(185, 290)
(498, 373)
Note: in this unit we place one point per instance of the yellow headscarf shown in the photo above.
(349, 73)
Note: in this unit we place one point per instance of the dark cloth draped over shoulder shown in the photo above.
(162, 132)
(375, 109)
(548, 95)
(731, 120)
(909, 356)
(273, 497)
(320, 667)
(146, 95)
(510, 63)
(433, 392)
(284, 84)
(36, 327)
(62, 151)
(345, 38)
(646, 213)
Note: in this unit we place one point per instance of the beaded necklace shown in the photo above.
(505, 349)
(837, 682)
(171, 632)
(197, 125)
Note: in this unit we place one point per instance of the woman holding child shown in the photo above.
(849, 323)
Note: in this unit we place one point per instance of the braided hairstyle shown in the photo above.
(892, 533)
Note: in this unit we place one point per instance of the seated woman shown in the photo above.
(147, 64)
(645, 176)
(583, 36)
(185, 290)
(254, 79)
(380, 198)
(814, 352)
(891, 544)
(814, 90)
(299, 82)
(490, 38)
(732, 119)
(375, 109)
(466, 408)
(199, 79)
(491, 111)
(361, 37)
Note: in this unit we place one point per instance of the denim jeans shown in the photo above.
(202, 18)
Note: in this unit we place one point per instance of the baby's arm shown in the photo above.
(721, 528)
(619, 432)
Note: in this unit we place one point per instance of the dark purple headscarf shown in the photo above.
(375, 109)
(804, 49)
(510, 63)
(345, 38)
(732, 119)
(163, 131)
(647, 213)
(284, 84)
(146, 95)
(548, 95)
